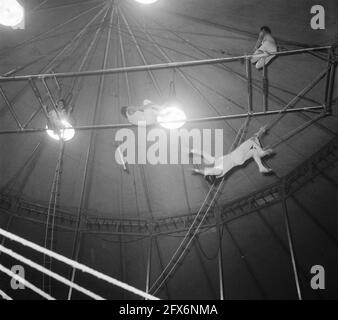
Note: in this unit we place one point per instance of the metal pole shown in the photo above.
(39, 98)
(328, 103)
(49, 93)
(78, 232)
(197, 120)
(249, 81)
(327, 82)
(220, 255)
(290, 241)
(150, 252)
(10, 108)
(265, 88)
(160, 66)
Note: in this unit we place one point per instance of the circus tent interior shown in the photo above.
(160, 228)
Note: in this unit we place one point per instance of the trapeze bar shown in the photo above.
(207, 119)
(169, 65)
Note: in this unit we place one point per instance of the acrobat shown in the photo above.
(266, 45)
(250, 148)
(59, 116)
(145, 115)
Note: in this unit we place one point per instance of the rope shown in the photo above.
(5, 296)
(185, 237)
(191, 239)
(77, 265)
(25, 283)
(49, 273)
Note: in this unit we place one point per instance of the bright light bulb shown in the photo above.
(65, 134)
(146, 1)
(172, 118)
(11, 13)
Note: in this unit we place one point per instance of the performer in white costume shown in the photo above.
(250, 148)
(145, 115)
(266, 44)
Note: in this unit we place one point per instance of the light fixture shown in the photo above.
(11, 13)
(146, 1)
(172, 117)
(66, 134)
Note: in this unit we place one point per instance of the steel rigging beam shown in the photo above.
(160, 66)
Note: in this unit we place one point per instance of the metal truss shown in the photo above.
(160, 66)
(329, 72)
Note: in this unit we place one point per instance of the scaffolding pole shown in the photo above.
(149, 260)
(265, 88)
(330, 81)
(220, 255)
(249, 80)
(160, 66)
(206, 119)
(78, 231)
(10, 108)
(290, 241)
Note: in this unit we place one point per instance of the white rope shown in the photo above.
(185, 238)
(25, 283)
(5, 296)
(77, 265)
(189, 242)
(49, 273)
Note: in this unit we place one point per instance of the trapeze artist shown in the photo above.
(249, 149)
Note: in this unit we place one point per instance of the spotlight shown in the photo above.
(146, 1)
(172, 117)
(66, 134)
(11, 13)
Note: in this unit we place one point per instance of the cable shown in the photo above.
(5, 296)
(73, 264)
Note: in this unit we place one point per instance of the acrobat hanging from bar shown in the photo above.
(249, 149)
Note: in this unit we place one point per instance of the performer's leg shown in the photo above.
(208, 159)
(208, 171)
(255, 59)
(263, 153)
(261, 62)
(259, 163)
(269, 49)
